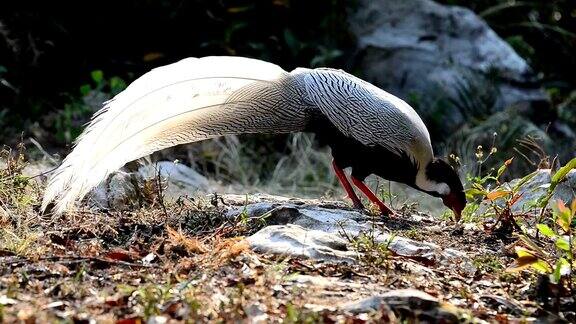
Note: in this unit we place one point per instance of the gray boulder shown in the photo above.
(323, 231)
(425, 52)
(409, 302)
(537, 187)
(179, 180)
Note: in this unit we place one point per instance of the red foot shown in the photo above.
(344, 182)
(383, 208)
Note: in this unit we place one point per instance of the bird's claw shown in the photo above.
(387, 211)
(390, 214)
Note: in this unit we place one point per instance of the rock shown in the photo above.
(254, 210)
(256, 313)
(179, 181)
(241, 200)
(157, 320)
(297, 241)
(512, 306)
(538, 186)
(411, 303)
(301, 228)
(114, 192)
(424, 52)
(4, 301)
(410, 298)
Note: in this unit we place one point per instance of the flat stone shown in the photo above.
(179, 180)
(410, 303)
(298, 228)
(294, 240)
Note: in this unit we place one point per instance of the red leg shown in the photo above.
(344, 182)
(383, 208)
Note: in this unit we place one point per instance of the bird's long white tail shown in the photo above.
(188, 101)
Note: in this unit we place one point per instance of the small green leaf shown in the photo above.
(556, 178)
(501, 170)
(117, 85)
(561, 268)
(541, 266)
(522, 252)
(562, 172)
(85, 89)
(488, 177)
(473, 192)
(562, 244)
(556, 276)
(478, 187)
(545, 230)
(503, 167)
(97, 76)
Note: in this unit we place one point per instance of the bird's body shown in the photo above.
(387, 133)
(368, 129)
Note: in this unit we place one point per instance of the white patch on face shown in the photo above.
(442, 188)
(426, 184)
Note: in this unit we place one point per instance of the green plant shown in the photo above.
(151, 297)
(195, 305)
(502, 198)
(372, 251)
(14, 185)
(414, 234)
(18, 194)
(488, 263)
(554, 253)
(388, 195)
(559, 263)
(300, 315)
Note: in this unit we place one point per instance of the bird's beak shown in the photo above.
(451, 201)
(457, 214)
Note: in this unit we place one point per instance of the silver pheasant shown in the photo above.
(368, 129)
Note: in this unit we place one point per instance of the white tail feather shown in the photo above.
(171, 105)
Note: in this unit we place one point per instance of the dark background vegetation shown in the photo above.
(49, 50)
(60, 59)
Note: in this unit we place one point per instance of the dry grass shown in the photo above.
(181, 260)
(186, 261)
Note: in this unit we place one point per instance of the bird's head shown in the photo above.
(450, 187)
